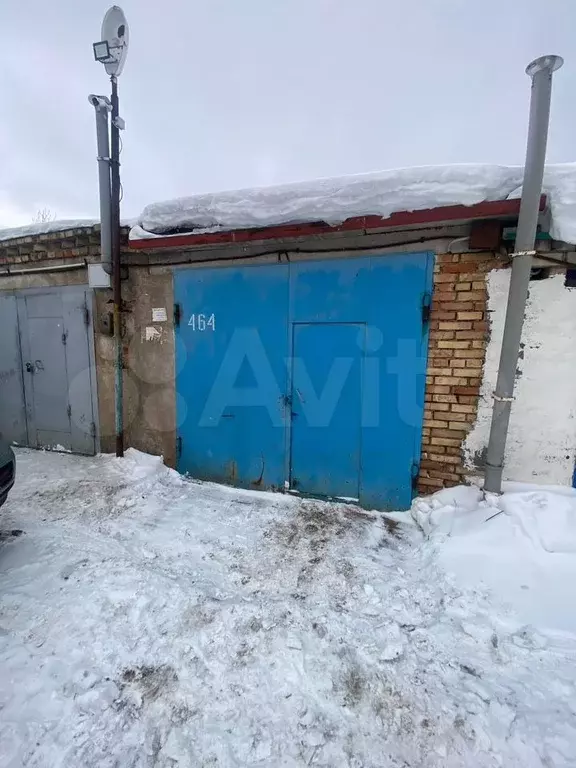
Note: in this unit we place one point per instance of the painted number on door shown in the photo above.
(202, 322)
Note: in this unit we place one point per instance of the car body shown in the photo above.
(7, 470)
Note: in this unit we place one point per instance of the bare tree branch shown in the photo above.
(43, 215)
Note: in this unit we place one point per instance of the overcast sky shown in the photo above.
(221, 94)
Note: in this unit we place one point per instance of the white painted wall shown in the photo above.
(541, 445)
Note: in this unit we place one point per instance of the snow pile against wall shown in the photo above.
(380, 194)
(541, 444)
(521, 545)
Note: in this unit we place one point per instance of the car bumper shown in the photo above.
(7, 478)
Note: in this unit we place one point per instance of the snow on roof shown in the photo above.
(45, 228)
(380, 194)
(59, 225)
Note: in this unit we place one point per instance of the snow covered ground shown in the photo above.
(150, 620)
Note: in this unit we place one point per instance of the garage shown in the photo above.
(307, 376)
(247, 360)
(46, 369)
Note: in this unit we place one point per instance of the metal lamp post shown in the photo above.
(111, 51)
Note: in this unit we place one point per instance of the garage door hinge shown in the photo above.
(178, 447)
(86, 315)
(93, 429)
(64, 337)
(177, 315)
(414, 472)
(426, 307)
(69, 411)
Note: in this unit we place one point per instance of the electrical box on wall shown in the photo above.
(97, 277)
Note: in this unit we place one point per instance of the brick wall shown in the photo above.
(78, 244)
(459, 328)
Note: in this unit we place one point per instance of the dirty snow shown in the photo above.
(150, 620)
(382, 193)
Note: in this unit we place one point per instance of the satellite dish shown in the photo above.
(115, 33)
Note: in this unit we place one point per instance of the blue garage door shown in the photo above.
(308, 376)
(231, 374)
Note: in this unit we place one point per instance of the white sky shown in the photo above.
(220, 94)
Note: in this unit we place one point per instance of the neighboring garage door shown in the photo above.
(46, 369)
(307, 376)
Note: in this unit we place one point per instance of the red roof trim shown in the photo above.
(448, 213)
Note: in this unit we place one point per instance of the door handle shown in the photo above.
(37, 365)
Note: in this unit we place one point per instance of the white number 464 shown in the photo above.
(202, 322)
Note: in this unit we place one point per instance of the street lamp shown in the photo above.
(111, 50)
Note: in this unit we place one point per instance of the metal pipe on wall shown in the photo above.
(36, 270)
(540, 71)
(116, 268)
(102, 107)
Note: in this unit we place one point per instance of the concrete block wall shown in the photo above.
(148, 352)
(459, 332)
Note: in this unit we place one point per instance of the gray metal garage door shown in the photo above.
(47, 392)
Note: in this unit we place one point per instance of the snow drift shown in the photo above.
(521, 546)
(382, 193)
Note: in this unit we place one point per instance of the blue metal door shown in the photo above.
(387, 294)
(305, 374)
(326, 408)
(231, 374)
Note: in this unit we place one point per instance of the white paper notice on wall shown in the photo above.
(159, 315)
(152, 334)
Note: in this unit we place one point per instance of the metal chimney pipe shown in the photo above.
(116, 266)
(540, 70)
(102, 107)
